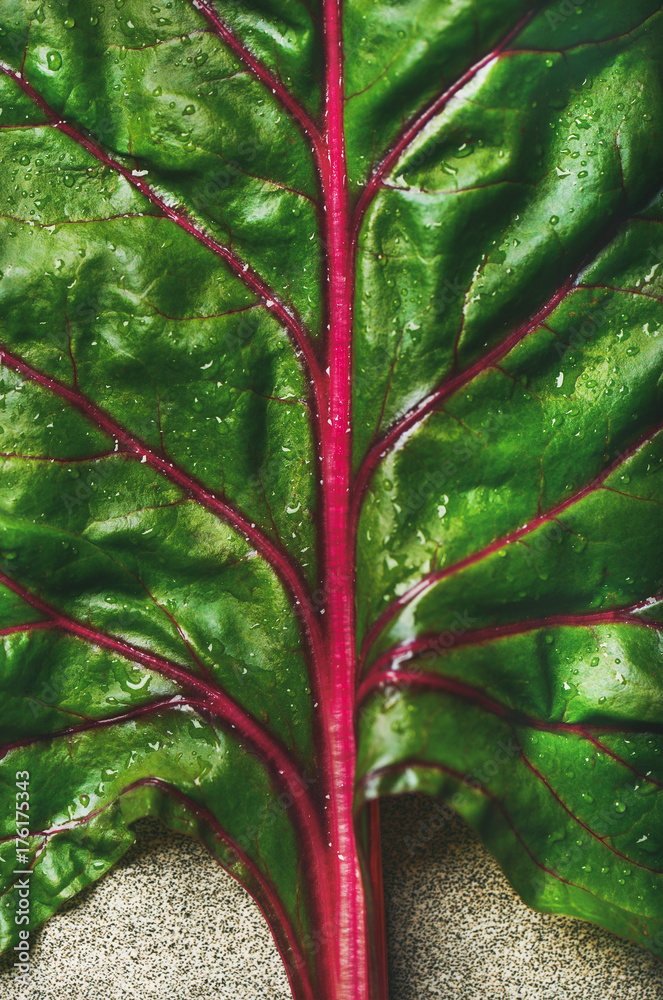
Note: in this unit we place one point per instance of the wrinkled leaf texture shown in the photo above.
(179, 265)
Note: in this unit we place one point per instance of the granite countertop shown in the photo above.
(169, 923)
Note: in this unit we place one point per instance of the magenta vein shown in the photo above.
(272, 83)
(284, 566)
(427, 583)
(268, 897)
(465, 779)
(218, 703)
(303, 344)
(432, 642)
(419, 122)
(429, 681)
(388, 441)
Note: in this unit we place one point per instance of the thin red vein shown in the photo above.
(91, 725)
(592, 833)
(625, 291)
(27, 627)
(390, 769)
(266, 77)
(421, 120)
(424, 585)
(218, 703)
(448, 387)
(434, 644)
(271, 905)
(286, 316)
(283, 565)
(405, 679)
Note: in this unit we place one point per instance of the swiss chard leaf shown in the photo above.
(331, 452)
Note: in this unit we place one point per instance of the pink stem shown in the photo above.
(349, 976)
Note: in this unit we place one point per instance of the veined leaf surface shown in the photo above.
(331, 452)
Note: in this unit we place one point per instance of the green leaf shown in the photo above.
(330, 417)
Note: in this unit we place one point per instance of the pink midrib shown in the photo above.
(349, 978)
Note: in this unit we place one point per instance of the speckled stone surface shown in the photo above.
(168, 924)
(457, 930)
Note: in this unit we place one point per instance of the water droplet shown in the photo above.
(200, 58)
(619, 807)
(594, 662)
(554, 219)
(69, 22)
(189, 110)
(69, 181)
(53, 61)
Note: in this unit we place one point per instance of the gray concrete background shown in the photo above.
(169, 924)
